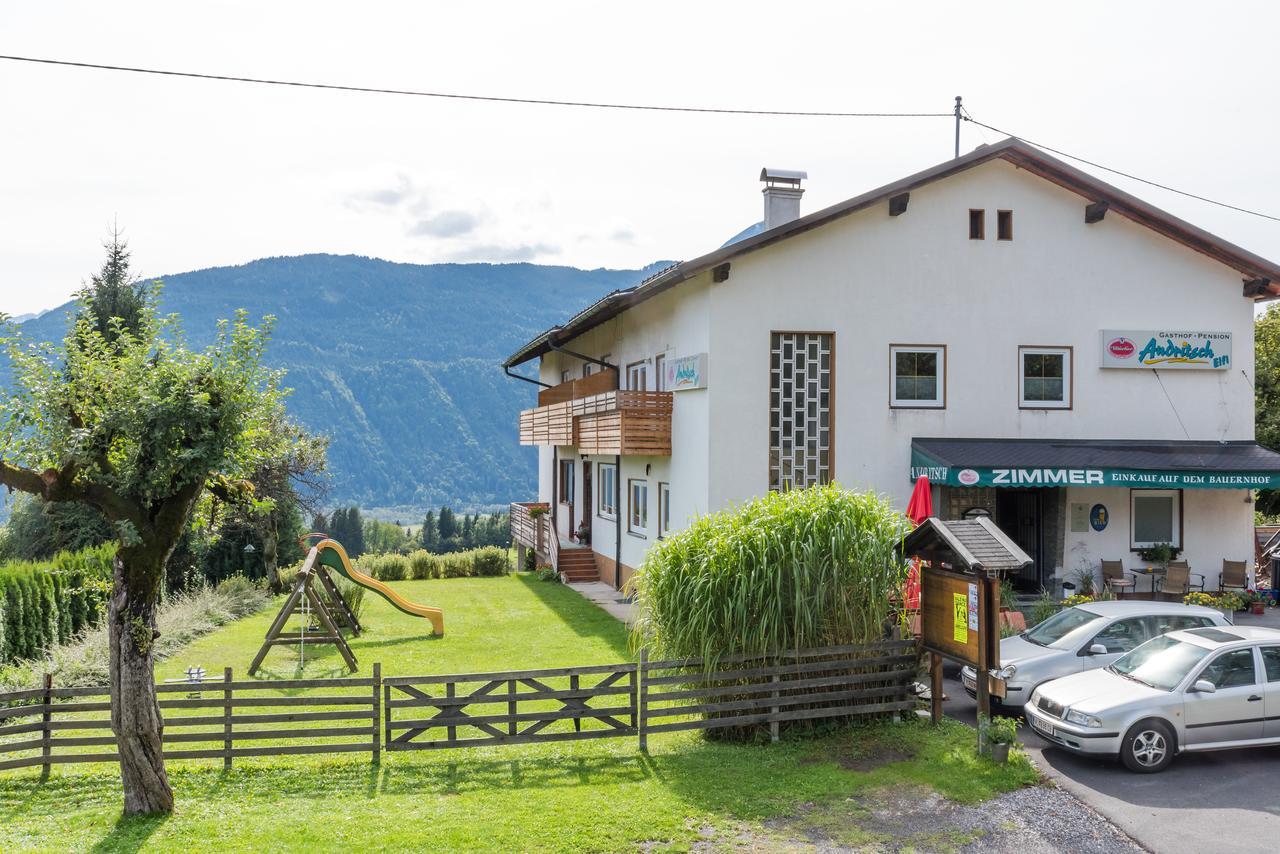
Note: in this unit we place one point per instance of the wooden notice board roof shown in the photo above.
(971, 545)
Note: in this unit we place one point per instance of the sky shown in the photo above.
(201, 173)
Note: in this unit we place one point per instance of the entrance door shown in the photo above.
(1018, 515)
(586, 498)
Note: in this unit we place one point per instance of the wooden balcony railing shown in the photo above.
(630, 423)
(529, 530)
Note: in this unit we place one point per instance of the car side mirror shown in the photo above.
(1097, 649)
(1204, 686)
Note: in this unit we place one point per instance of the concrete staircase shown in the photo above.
(577, 565)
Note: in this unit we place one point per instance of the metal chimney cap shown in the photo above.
(783, 176)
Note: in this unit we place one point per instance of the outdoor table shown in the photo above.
(1152, 572)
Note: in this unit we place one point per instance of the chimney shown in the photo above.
(782, 194)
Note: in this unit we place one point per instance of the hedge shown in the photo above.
(485, 562)
(43, 603)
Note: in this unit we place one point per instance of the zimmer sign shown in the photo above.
(1027, 477)
(1166, 350)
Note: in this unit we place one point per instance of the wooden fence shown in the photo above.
(227, 719)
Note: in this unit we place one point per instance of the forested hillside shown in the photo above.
(397, 363)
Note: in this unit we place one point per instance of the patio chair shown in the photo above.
(1177, 579)
(1113, 577)
(1233, 575)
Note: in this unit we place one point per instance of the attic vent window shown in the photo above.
(977, 224)
(1004, 225)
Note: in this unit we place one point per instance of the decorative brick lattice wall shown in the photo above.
(799, 409)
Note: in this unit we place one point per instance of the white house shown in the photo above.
(1045, 347)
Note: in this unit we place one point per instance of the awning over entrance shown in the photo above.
(1140, 464)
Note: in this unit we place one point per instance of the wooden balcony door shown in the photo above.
(586, 495)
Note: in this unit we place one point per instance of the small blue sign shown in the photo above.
(1098, 517)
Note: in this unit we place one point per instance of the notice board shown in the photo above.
(950, 612)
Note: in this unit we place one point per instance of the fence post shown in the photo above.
(773, 710)
(573, 686)
(227, 739)
(376, 716)
(46, 746)
(642, 691)
(386, 714)
(512, 729)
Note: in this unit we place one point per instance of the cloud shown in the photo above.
(623, 235)
(451, 223)
(384, 197)
(502, 254)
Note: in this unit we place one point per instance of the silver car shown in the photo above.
(1199, 689)
(1085, 637)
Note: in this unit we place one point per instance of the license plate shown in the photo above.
(1041, 726)
(970, 683)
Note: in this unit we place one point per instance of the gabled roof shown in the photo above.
(1013, 150)
(974, 545)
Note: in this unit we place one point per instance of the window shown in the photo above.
(977, 224)
(564, 376)
(660, 372)
(664, 509)
(1231, 669)
(587, 368)
(1166, 623)
(607, 500)
(1044, 377)
(1122, 635)
(638, 376)
(638, 509)
(801, 365)
(566, 481)
(1004, 225)
(1271, 661)
(1155, 516)
(918, 376)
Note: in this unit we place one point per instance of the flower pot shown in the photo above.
(1000, 753)
(1256, 608)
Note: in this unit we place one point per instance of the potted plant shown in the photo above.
(1253, 599)
(1000, 734)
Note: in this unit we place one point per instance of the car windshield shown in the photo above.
(1057, 627)
(1161, 663)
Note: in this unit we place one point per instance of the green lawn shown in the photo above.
(586, 796)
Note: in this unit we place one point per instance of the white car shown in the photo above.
(1084, 637)
(1200, 689)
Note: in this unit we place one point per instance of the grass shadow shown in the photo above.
(579, 614)
(129, 834)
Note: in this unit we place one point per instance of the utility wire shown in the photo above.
(460, 97)
(969, 118)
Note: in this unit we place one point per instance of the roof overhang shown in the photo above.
(1253, 268)
(974, 545)
(1137, 464)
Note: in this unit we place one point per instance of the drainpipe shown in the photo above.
(554, 503)
(507, 370)
(617, 522)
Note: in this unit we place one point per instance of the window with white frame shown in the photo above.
(587, 368)
(607, 500)
(638, 376)
(638, 507)
(1155, 516)
(660, 372)
(564, 376)
(1044, 377)
(664, 509)
(918, 376)
(566, 481)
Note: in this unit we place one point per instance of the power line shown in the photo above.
(969, 118)
(460, 97)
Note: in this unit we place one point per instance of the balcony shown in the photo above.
(528, 529)
(592, 415)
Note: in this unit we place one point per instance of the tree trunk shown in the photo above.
(135, 714)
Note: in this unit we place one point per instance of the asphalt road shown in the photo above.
(1204, 802)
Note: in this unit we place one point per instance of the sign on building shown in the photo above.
(1161, 350)
(686, 372)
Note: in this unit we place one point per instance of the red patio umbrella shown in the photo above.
(919, 508)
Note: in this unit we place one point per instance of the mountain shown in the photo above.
(399, 364)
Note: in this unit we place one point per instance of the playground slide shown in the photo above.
(333, 555)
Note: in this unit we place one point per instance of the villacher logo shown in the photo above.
(1121, 348)
(968, 477)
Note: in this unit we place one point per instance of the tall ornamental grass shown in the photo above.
(792, 570)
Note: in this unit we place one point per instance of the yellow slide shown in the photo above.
(333, 555)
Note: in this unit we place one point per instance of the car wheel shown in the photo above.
(1147, 747)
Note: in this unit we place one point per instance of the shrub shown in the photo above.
(353, 594)
(804, 568)
(1045, 607)
(548, 573)
(456, 565)
(43, 603)
(490, 561)
(423, 564)
(390, 567)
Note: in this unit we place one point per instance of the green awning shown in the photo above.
(1140, 464)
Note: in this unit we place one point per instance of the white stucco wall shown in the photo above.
(875, 280)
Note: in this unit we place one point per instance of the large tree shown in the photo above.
(129, 420)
